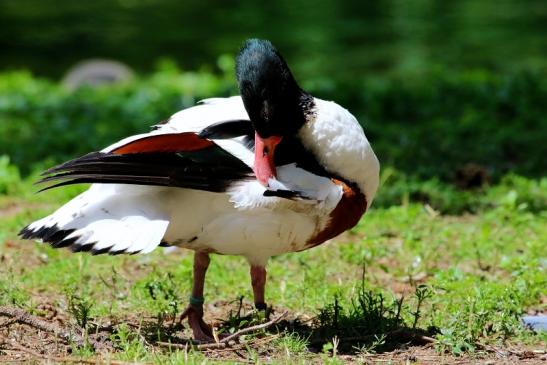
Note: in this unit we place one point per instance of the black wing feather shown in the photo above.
(211, 169)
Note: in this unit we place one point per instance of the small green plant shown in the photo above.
(292, 344)
(237, 320)
(80, 308)
(131, 345)
(489, 312)
(10, 293)
(162, 290)
(371, 318)
(188, 356)
(85, 351)
(422, 293)
(330, 352)
(370, 348)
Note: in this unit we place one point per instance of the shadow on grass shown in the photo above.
(370, 322)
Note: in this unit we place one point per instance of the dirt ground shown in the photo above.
(24, 342)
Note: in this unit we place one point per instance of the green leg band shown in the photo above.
(196, 301)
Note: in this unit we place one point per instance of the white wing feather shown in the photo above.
(107, 216)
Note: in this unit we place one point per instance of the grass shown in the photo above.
(412, 267)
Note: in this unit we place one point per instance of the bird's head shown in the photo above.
(272, 99)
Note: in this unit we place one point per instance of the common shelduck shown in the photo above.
(274, 170)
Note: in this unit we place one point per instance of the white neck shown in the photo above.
(338, 142)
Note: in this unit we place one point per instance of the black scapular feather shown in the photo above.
(228, 129)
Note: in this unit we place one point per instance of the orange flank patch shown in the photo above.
(179, 142)
(346, 215)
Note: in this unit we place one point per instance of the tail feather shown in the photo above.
(104, 220)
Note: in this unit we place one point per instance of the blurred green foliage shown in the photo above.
(438, 86)
(329, 39)
(41, 120)
(512, 192)
(9, 177)
(432, 126)
(436, 124)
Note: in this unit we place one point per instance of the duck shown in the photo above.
(271, 171)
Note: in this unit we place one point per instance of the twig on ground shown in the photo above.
(493, 349)
(254, 328)
(59, 359)
(21, 316)
(8, 323)
(225, 342)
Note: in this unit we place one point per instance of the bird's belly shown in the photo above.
(257, 234)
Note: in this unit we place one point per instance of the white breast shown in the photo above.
(263, 228)
(339, 143)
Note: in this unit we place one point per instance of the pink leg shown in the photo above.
(258, 281)
(194, 311)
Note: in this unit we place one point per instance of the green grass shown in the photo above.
(464, 279)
